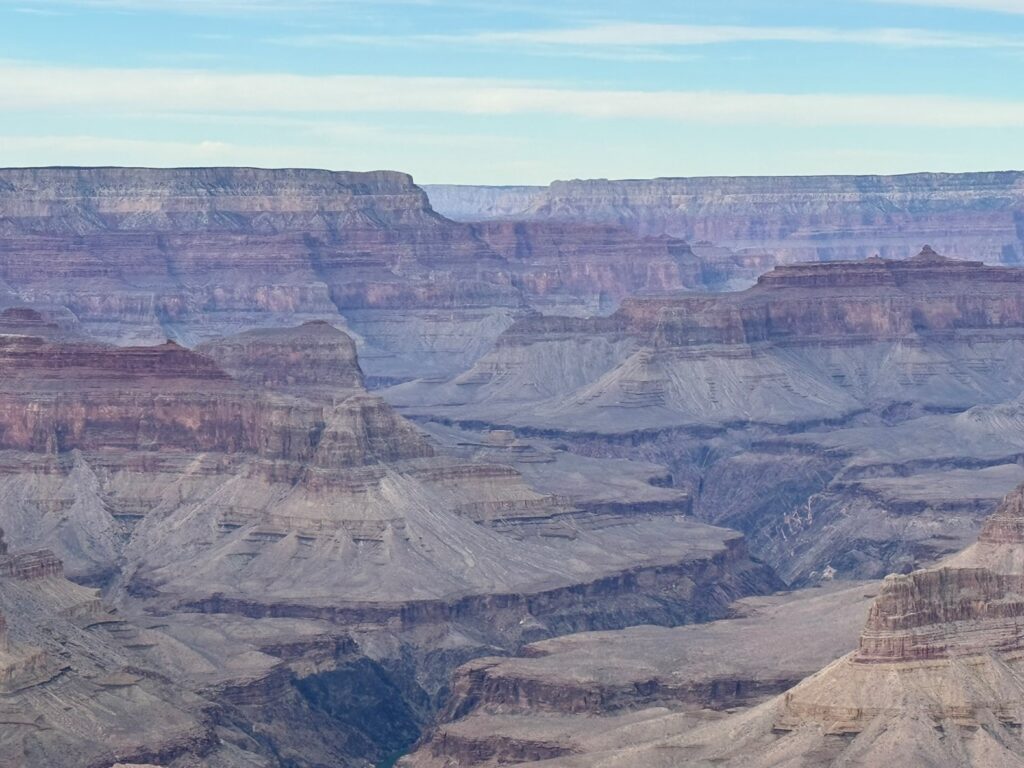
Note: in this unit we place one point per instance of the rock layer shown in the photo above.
(811, 218)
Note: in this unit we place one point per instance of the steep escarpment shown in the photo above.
(565, 266)
(809, 218)
(134, 255)
(873, 300)
(144, 254)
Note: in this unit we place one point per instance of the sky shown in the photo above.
(516, 91)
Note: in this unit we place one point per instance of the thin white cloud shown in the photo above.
(671, 35)
(243, 7)
(997, 6)
(637, 38)
(38, 11)
(32, 88)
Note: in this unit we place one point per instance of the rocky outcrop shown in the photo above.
(815, 411)
(807, 344)
(565, 266)
(873, 300)
(810, 218)
(314, 356)
(60, 397)
(912, 617)
(974, 605)
(939, 646)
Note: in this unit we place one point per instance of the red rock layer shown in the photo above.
(582, 260)
(873, 299)
(131, 245)
(937, 614)
(57, 397)
(956, 610)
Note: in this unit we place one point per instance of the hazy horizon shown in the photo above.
(465, 92)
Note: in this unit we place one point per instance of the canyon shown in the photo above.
(819, 411)
(252, 492)
(316, 475)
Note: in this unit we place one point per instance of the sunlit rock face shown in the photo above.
(940, 645)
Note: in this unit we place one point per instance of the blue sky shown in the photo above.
(520, 91)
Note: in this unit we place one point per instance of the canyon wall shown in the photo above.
(810, 218)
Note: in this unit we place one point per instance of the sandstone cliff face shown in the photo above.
(973, 215)
(574, 263)
(873, 300)
(911, 619)
(939, 645)
(315, 356)
(59, 397)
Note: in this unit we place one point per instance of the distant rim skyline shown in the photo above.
(418, 182)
